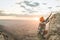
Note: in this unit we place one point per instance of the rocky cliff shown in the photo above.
(54, 27)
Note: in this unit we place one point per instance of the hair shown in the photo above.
(41, 19)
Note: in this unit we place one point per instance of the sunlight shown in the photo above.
(36, 18)
(19, 18)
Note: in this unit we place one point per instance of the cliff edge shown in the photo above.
(54, 27)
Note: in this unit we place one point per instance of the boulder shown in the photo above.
(54, 27)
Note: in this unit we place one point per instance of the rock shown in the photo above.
(1, 37)
(54, 27)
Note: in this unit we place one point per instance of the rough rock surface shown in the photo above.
(54, 27)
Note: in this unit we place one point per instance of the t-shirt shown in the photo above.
(42, 25)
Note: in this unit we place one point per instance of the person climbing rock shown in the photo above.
(42, 26)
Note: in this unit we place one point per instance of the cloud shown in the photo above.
(31, 4)
(28, 6)
(38, 6)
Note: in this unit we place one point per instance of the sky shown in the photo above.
(29, 7)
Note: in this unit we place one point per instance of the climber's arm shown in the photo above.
(47, 20)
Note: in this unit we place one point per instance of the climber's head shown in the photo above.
(42, 19)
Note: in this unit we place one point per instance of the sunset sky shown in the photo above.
(21, 7)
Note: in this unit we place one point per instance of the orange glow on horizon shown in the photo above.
(36, 18)
(19, 18)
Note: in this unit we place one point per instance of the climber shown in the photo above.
(42, 26)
